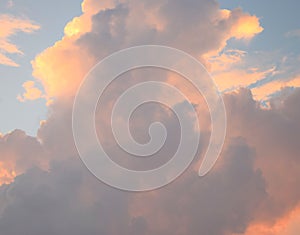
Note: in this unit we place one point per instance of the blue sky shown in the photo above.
(52, 16)
(277, 17)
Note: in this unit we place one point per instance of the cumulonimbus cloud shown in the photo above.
(255, 182)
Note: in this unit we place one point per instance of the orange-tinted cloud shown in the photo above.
(61, 68)
(94, 6)
(18, 153)
(120, 29)
(83, 24)
(287, 225)
(10, 26)
(7, 175)
(78, 26)
(264, 91)
(230, 80)
(246, 27)
(225, 60)
(31, 92)
(225, 65)
(242, 26)
(229, 73)
(246, 186)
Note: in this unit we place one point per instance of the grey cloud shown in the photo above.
(196, 27)
(19, 152)
(244, 187)
(68, 200)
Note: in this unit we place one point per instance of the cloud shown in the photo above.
(247, 27)
(244, 190)
(58, 80)
(230, 72)
(268, 89)
(293, 33)
(272, 133)
(255, 182)
(68, 200)
(288, 225)
(11, 25)
(18, 153)
(93, 6)
(64, 201)
(6, 175)
(31, 92)
(10, 4)
(105, 27)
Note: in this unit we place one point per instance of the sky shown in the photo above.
(251, 50)
(27, 115)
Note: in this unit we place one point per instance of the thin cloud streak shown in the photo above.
(10, 26)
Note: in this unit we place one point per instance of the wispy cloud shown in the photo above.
(10, 26)
(293, 33)
(10, 4)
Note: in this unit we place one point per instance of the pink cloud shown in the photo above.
(11, 25)
(254, 182)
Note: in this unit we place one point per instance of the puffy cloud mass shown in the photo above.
(19, 153)
(197, 27)
(252, 189)
(253, 186)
